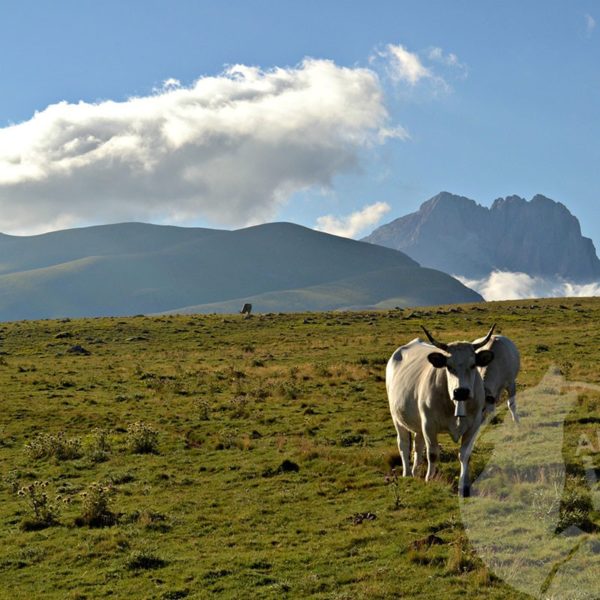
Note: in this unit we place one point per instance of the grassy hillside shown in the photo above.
(389, 288)
(134, 268)
(24, 253)
(208, 456)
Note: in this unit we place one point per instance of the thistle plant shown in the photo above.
(142, 439)
(45, 511)
(46, 445)
(98, 447)
(95, 506)
(393, 482)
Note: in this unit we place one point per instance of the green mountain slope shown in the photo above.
(386, 288)
(135, 268)
(38, 251)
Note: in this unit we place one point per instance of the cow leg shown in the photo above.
(418, 452)
(464, 455)
(404, 448)
(433, 451)
(512, 404)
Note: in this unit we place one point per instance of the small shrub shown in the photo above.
(97, 448)
(565, 368)
(239, 407)
(229, 438)
(11, 481)
(203, 407)
(322, 370)
(260, 392)
(575, 508)
(46, 445)
(288, 390)
(142, 439)
(95, 506)
(45, 511)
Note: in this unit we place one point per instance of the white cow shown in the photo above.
(432, 392)
(501, 374)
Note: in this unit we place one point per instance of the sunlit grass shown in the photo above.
(263, 439)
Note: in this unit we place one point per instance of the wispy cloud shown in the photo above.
(406, 66)
(413, 69)
(230, 148)
(449, 60)
(504, 285)
(590, 24)
(352, 225)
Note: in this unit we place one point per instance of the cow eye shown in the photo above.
(473, 366)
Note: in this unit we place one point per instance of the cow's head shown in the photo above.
(461, 359)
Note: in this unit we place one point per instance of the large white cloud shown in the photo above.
(504, 285)
(230, 148)
(353, 224)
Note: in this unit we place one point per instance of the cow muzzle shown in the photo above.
(461, 394)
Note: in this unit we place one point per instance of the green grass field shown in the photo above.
(250, 458)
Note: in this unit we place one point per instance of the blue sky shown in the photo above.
(506, 102)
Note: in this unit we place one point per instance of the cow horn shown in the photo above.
(486, 339)
(437, 344)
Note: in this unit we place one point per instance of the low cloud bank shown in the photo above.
(504, 285)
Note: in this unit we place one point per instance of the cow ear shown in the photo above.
(484, 358)
(437, 359)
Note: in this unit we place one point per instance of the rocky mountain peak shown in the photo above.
(457, 235)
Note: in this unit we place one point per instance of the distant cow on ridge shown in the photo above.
(432, 392)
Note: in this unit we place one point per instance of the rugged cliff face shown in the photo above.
(457, 235)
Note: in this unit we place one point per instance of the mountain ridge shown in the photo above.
(133, 268)
(457, 235)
